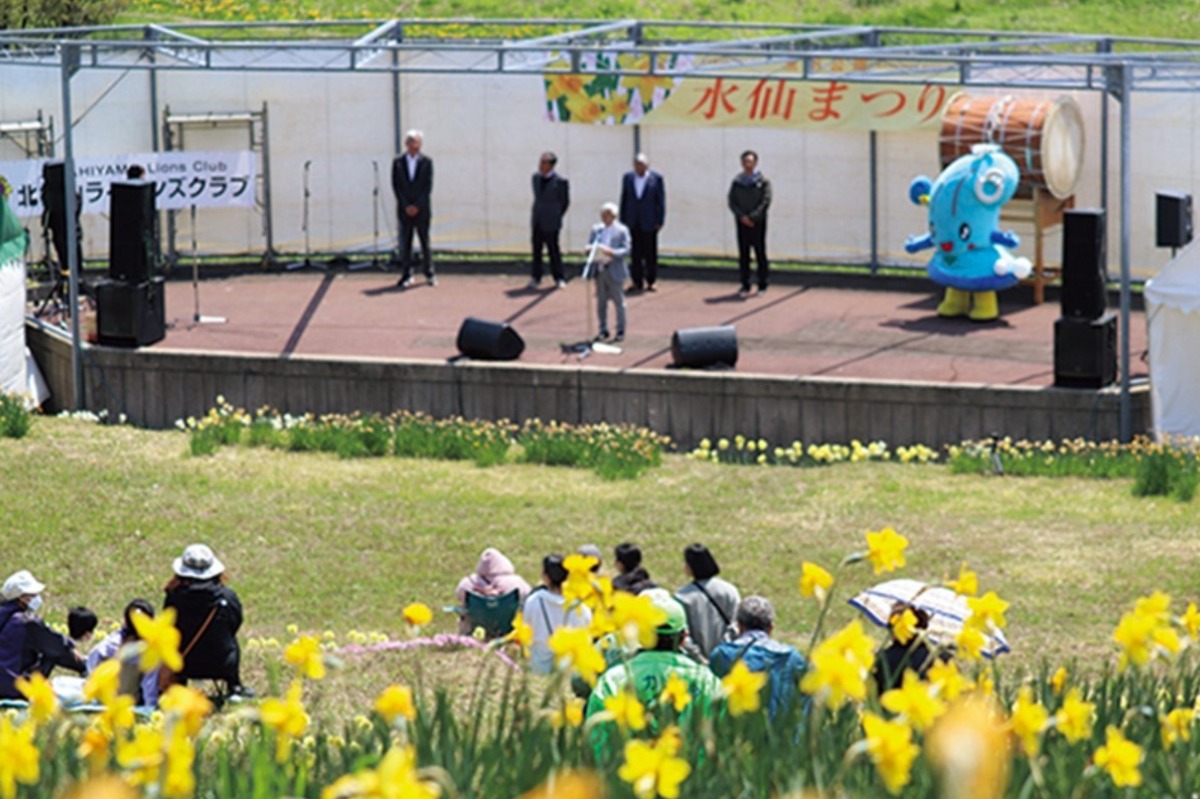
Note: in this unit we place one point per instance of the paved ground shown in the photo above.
(803, 330)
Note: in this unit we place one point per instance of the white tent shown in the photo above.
(1173, 322)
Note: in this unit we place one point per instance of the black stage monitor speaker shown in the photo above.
(130, 314)
(701, 347)
(489, 341)
(1084, 259)
(1085, 352)
(131, 254)
(1173, 219)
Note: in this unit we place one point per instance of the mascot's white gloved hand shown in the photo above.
(1006, 264)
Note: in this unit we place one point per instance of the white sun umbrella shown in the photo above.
(947, 611)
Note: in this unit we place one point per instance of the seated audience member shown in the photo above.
(147, 684)
(631, 576)
(593, 551)
(81, 626)
(546, 610)
(494, 576)
(647, 672)
(209, 615)
(709, 601)
(754, 647)
(896, 658)
(27, 644)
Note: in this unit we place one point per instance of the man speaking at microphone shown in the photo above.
(609, 243)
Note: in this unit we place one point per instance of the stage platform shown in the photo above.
(818, 361)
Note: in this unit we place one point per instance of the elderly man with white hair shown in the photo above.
(27, 644)
(784, 666)
(609, 242)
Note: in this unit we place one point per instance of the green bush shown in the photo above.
(15, 14)
(15, 419)
(1167, 471)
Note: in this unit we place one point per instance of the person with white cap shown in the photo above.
(27, 644)
(208, 617)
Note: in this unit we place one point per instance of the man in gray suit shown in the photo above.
(610, 242)
(551, 198)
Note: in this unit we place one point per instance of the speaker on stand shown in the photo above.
(1085, 336)
(131, 303)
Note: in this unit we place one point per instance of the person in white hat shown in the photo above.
(208, 617)
(27, 644)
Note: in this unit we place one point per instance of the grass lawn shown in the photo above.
(98, 513)
(1166, 18)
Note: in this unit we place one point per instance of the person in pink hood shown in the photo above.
(494, 575)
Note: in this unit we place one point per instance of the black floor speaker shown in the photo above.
(1084, 263)
(489, 341)
(702, 347)
(131, 255)
(130, 314)
(1085, 352)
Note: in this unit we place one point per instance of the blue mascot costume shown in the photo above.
(971, 257)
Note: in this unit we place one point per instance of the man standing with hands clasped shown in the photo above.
(643, 211)
(551, 198)
(749, 198)
(610, 241)
(412, 181)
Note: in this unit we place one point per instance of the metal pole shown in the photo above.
(1126, 221)
(70, 60)
(1104, 47)
(874, 162)
(637, 140)
(397, 143)
(268, 204)
(152, 35)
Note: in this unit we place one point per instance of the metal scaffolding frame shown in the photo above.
(35, 138)
(1113, 67)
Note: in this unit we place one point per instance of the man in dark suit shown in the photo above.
(551, 198)
(643, 211)
(412, 181)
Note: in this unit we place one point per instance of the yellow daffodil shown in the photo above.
(394, 702)
(569, 785)
(286, 717)
(967, 583)
(1157, 606)
(18, 757)
(914, 702)
(676, 693)
(1177, 726)
(947, 680)
(562, 85)
(104, 682)
(815, 582)
(117, 714)
(885, 550)
(652, 769)
(188, 705)
(1135, 634)
(987, 609)
(645, 84)
(159, 639)
(95, 746)
(398, 777)
(1121, 758)
(636, 618)
(839, 666)
(43, 704)
(582, 585)
(417, 614)
(179, 777)
(141, 754)
(626, 710)
(1075, 718)
(1028, 720)
(890, 747)
(743, 689)
(572, 648)
(521, 634)
(904, 626)
(306, 655)
(969, 643)
(585, 108)
(968, 747)
(1058, 680)
(107, 786)
(570, 715)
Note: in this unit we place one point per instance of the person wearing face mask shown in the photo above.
(27, 644)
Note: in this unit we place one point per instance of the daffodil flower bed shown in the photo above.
(743, 450)
(612, 451)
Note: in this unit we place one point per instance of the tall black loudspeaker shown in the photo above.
(53, 187)
(489, 341)
(130, 314)
(131, 255)
(1084, 259)
(1085, 352)
(701, 347)
(1173, 219)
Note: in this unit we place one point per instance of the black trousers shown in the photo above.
(752, 238)
(420, 225)
(549, 240)
(643, 259)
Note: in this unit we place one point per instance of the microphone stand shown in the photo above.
(308, 261)
(376, 262)
(197, 317)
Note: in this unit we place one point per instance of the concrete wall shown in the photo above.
(154, 388)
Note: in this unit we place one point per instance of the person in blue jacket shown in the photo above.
(784, 666)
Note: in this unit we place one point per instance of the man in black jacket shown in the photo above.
(412, 181)
(749, 198)
(551, 198)
(643, 211)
